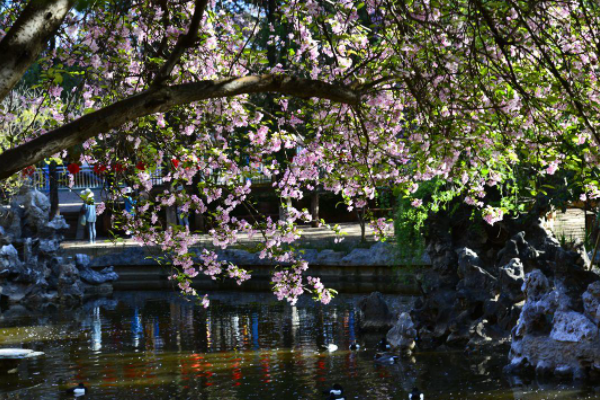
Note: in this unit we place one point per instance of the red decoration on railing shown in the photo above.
(99, 169)
(29, 171)
(73, 168)
(118, 167)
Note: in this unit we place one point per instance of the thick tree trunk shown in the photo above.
(362, 223)
(283, 210)
(27, 38)
(171, 215)
(314, 208)
(199, 222)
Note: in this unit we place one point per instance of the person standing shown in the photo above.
(88, 210)
(129, 204)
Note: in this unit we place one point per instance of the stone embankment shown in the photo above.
(354, 270)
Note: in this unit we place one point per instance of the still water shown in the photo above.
(148, 345)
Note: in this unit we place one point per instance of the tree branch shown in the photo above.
(27, 38)
(161, 99)
(183, 42)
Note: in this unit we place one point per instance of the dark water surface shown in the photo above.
(149, 345)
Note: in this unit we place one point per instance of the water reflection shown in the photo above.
(159, 346)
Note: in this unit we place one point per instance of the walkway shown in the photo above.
(313, 238)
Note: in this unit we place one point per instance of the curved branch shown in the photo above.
(26, 39)
(159, 100)
(183, 42)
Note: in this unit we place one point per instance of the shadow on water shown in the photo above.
(151, 345)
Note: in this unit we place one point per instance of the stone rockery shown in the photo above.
(32, 270)
(508, 283)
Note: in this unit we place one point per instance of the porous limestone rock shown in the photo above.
(551, 339)
(591, 302)
(403, 333)
(571, 326)
(512, 280)
(93, 277)
(374, 313)
(512, 277)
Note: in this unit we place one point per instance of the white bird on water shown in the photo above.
(79, 390)
(335, 393)
(331, 347)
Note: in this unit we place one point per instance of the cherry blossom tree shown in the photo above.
(345, 95)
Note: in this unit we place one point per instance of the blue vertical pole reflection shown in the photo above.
(351, 327)
(136, 328)
(255, 344)
(158, 341)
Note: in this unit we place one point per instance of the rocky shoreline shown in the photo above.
(511, 284)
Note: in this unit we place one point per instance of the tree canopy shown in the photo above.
(345, 95)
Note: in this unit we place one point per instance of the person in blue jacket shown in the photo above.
(129, 202)
(88, 209)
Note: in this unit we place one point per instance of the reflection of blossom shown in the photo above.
(205, 301)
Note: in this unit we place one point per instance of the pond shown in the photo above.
(153, 345)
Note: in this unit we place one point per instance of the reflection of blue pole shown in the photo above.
(136, 325)
(351, 324)
(255, 331)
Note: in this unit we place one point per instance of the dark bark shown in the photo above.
(183, 42)
(314, 208)
(362, 222)
(27, 38)
(199, 223)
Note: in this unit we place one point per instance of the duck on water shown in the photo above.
(335, 393)
(79, 390)
(416, 395)
(385, 358)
